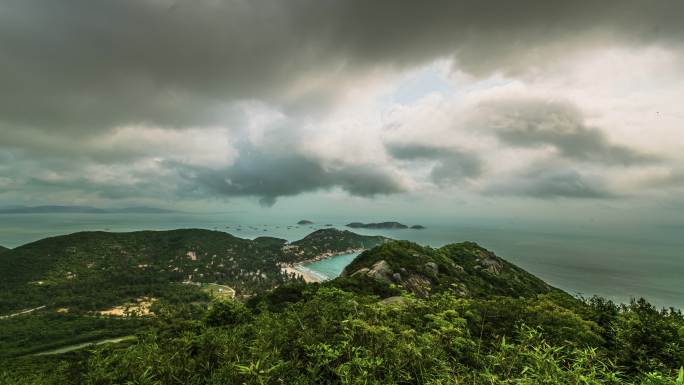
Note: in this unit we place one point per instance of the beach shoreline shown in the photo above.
(299, 271)
(309, 276)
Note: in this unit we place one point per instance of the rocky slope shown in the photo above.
(464, 268)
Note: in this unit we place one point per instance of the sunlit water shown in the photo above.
(618, 264)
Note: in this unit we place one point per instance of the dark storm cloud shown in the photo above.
(536, 123)
(269, 176)
(551, 182)
(87, 64)
(452, 166)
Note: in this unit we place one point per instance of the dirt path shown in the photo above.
(82, 345)
(23, 312)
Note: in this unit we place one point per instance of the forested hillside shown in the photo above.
(95, 270)
(401, 314)
(331, 336)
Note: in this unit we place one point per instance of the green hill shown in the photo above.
(270, 241)
(3, 249)
(330, 242)
(95, 270)
(465, 268)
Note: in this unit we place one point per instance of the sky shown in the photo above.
(485, 109)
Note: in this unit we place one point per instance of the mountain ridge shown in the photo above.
(465, 268)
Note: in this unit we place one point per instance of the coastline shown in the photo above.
(300, 271)
(309, 276)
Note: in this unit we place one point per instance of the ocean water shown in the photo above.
(617, 263)
(331, 267)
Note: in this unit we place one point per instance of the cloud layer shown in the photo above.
(189, 100)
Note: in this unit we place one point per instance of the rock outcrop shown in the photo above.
(381, 271)
(464, 268)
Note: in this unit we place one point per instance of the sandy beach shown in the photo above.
(308, 275)
(299, 271)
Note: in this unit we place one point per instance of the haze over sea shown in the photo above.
(620, 264)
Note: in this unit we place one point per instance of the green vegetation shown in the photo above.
(220, 292)
(465, 268)
(402, 314)
(3, 249)
(92, 271)
(331, 336)
(35, 333)
(329, 242)
(96, 270)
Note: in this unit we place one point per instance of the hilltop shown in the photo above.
(3, 249)
(327, 242)
(464, 268)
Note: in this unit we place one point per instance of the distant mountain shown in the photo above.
(305, 222)
(465, 268)
(81, 210)
(381, 225)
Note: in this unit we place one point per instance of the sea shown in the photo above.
(620, 264)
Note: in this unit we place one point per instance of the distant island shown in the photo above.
(381, 225)
(81, 210)
(305, 222)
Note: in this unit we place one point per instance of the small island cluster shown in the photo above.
(378, 225)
